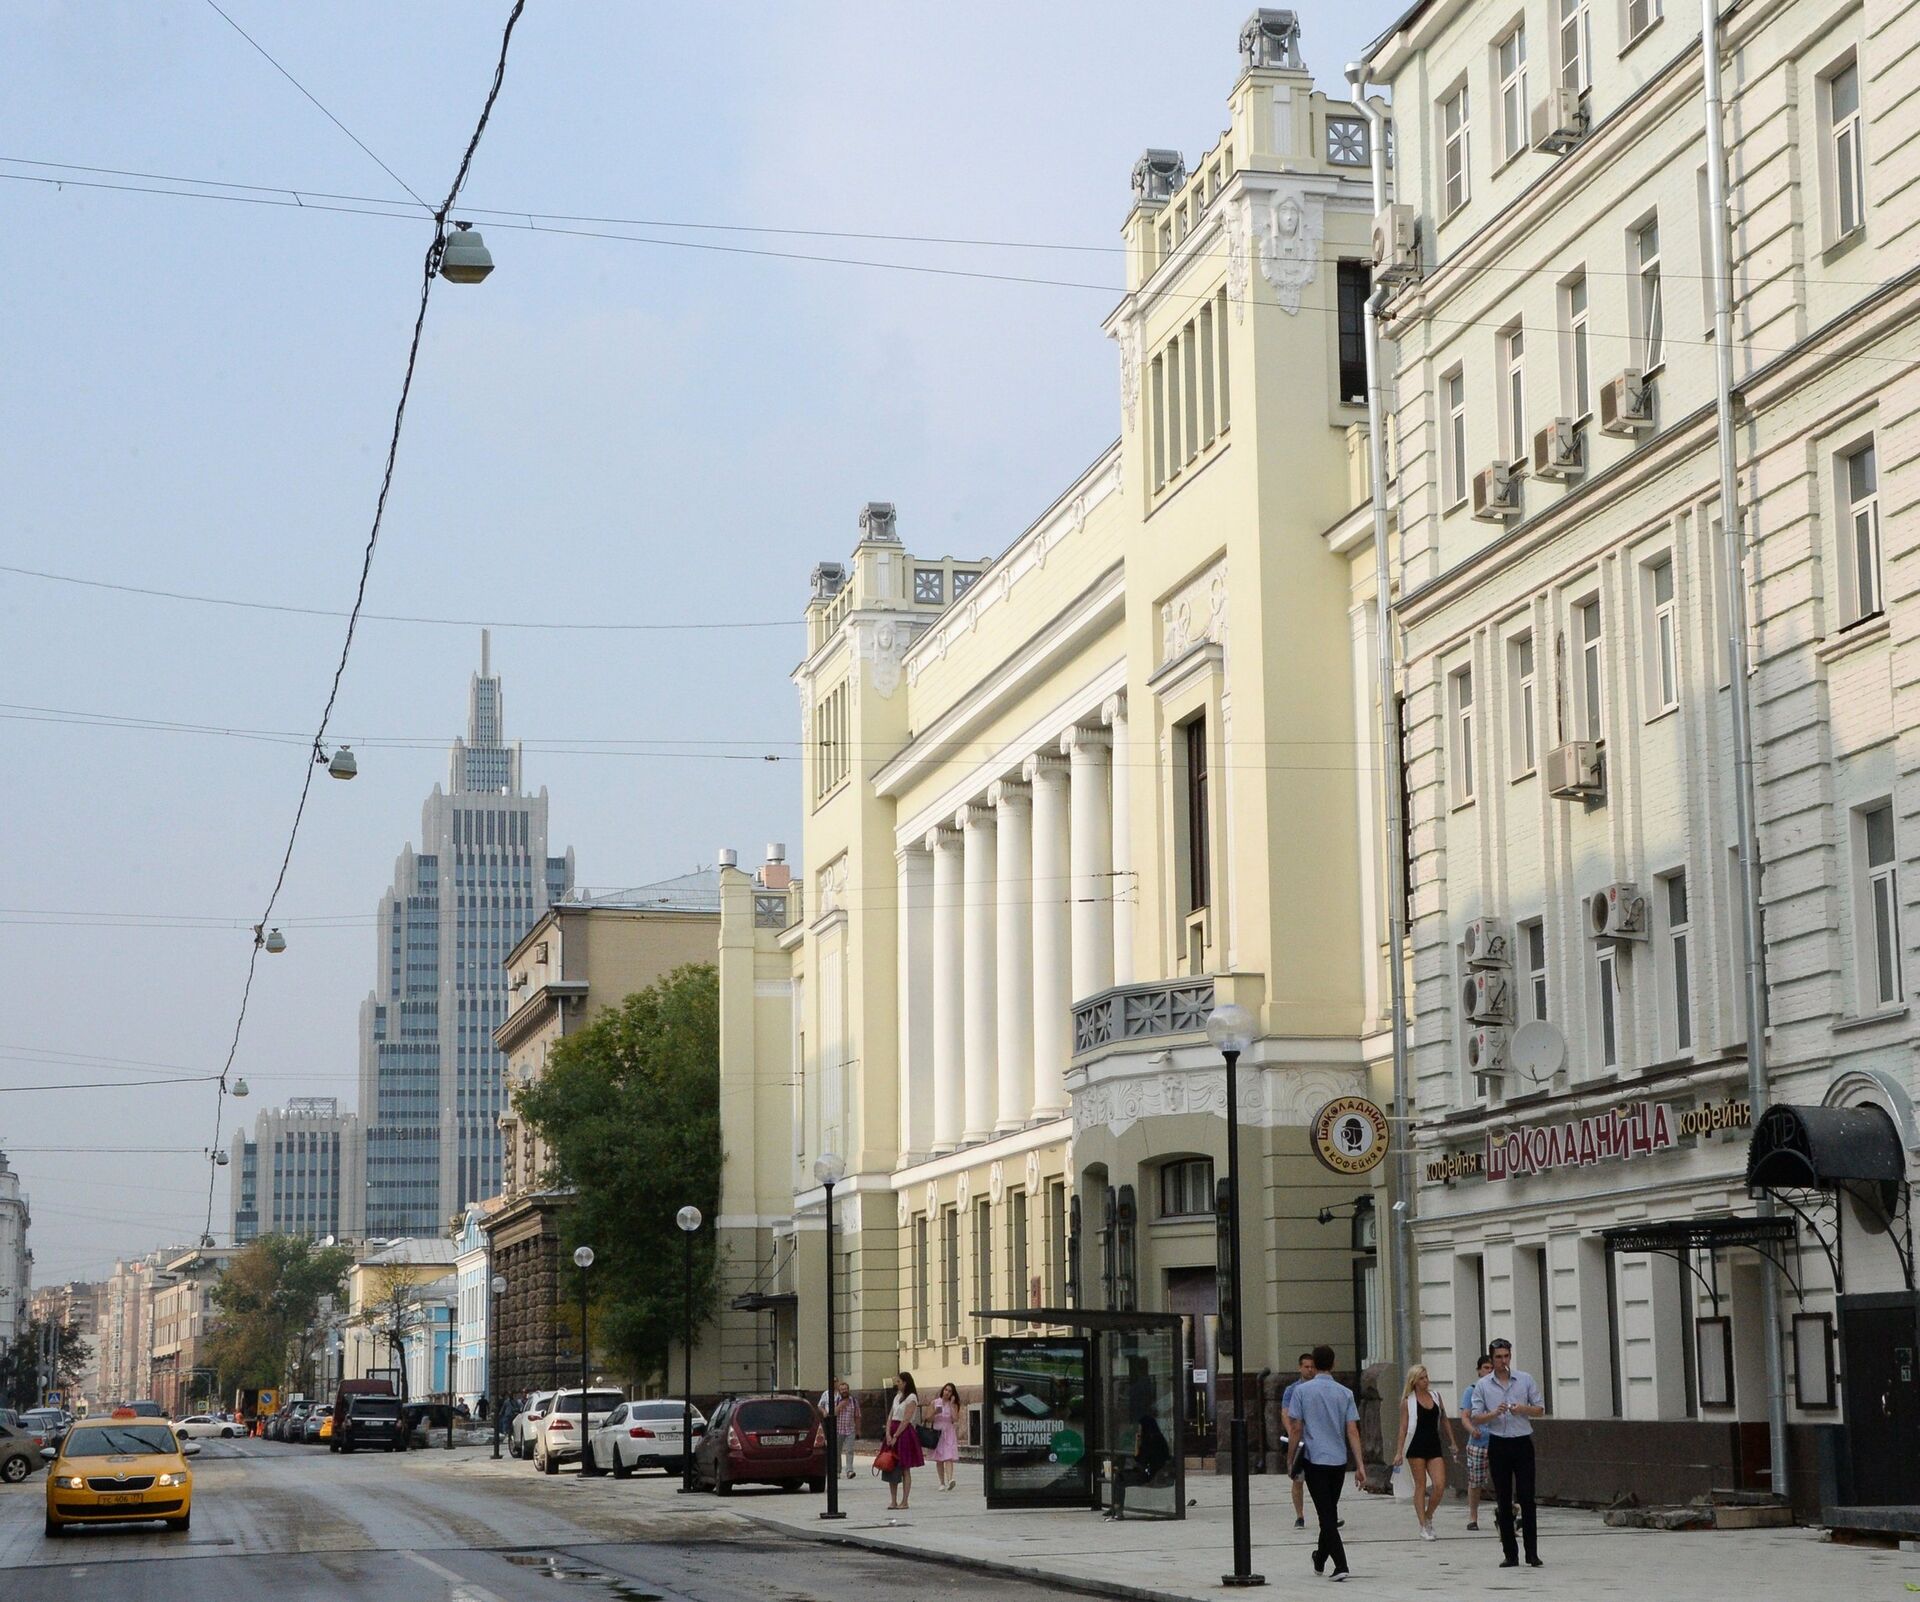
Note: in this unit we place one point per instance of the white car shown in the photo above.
(556, 1437)
(644, 1435)
(198, 1426)
(525, 1422)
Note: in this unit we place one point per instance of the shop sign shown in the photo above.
(1036, 1446)
(1618, 1134)
(1350, 1135)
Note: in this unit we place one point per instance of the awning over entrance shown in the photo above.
(1818, 1148)
(1698, 1234)
(764, 1301)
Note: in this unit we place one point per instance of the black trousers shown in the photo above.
(1510, 1462)
(1323, 1485)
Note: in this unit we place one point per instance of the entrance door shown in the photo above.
(1880, 1370)
(1194, 1293)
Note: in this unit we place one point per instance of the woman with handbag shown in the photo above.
(946, 1435)
(900, 1452)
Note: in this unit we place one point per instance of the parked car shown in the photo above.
(142, 1409)
(47, 1423)
(19, 1453)
(371, 1421)
(426, 1421)
(639, 1435)
(556, 1438)
(762, 1440)
(196, 1426)
(520, 1432)
(310, 1430)
(293, 1420)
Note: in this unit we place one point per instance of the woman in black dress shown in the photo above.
(1423, 1419)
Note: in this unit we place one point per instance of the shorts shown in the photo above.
(1477, 1477)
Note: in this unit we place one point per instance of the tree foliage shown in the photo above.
(394, 1310)
(268, 1303)
(629, 1108)
(21, 1363)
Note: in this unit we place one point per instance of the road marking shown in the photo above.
(464, 1590)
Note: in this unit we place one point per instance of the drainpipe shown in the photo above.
(1720, 241)
(1402, 1283)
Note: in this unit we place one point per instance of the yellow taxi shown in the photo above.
(326, 1427)
(120, 1469)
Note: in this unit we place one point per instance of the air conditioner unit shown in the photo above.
(1575, 772)
(1483, 996)
(1626, 403)
(1557, 452)
(1487, 1052)
(1496, 493)
(1486, 944)
(1559, 123)
(1396, 251)
(1618, 912)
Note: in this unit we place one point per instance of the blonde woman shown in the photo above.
(1423, 1419)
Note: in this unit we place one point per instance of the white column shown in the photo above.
(949, 1094)
(1126, 886)
(1013, 955)
(914, 979)
(1090, 852)
(975, 824)
(1052, 943)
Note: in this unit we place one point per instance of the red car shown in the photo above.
(762, 1440)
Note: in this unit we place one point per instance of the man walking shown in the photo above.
(1477, 1480)
(846, 1422)
(1296, 1461)
(1326, 1420)
(1506, 1401)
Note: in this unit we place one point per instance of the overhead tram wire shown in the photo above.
(430, 267)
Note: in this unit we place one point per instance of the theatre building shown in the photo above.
(1594, 1184)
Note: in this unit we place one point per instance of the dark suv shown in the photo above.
(371, 1421)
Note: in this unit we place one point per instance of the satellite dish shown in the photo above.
(1537, 1050)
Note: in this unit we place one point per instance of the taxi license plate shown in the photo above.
(120, 1499)
(777, 1440)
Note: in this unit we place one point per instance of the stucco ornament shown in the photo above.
(1198, 612)
(1033, 1171)
(1237, 260)
(806, 709)
(1289, 250)
(997, 1182)
(1127, 336)
(933, 1197)
(883, 646)
(961, 1191)
(904, 1210)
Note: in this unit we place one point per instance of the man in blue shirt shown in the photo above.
(1295, 1462)
(1477, 1477)
(1506, 1401)
(1324, 1418)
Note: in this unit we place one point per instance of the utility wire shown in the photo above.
(430, 267)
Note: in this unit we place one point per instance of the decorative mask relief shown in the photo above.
(1290, 249)
(882, 645)
(1268, 1097)
(1237, 260)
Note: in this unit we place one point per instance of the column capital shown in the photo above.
(1114, 709)
(974, 815)
(913, 848)
(1043, 764)
(1082, 738)
(1008, 793)
(942, 837)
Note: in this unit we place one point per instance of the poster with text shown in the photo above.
(1036, 1401)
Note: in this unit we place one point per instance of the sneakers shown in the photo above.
(1319, 1563)
(1509, 1563)
(1473, 1524)
(1535, 1563)
(1338, 1574)
(1426, 1533)
(1299, 1523)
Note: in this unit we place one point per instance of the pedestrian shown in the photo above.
(1151, 1456)
(902, 1442)
(1423, 1418)
(846, 1422)
(1296, 1463)
(946, 1444)
(1508, 1401)
(1328, 1421)
(480, 1409)
(1477, 1480)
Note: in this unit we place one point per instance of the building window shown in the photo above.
(1155, 421)
(1590, 705)
(1355, 282)
(1576, 45)
(964, 581)
(1347, 142)
(1673, 897)
(922, 1278)
(831, 740)
(1649, 320)
(1186, 1188)
(930, 586)
(1454, 154)
(1520, 677)
(1453, 403)
(950, 1275)
(1576, 371)
(1199, 871)
(1609, 1008)
(1881, 896)
(1174, 433)
(1226, 389)
(1021, 1293)
(1189, 394)
(1511, 57)
(1533, 947)
(983, 1256)
(1057, 1244)
(1663, 673)
(1860, 545)
(1207, 429)
(1640, 16)
(1460, 694)
(1513, 394)
(1845, 170)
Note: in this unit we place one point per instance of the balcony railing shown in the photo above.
(1141, 1012)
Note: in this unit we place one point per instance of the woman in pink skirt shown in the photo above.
(946, 1419)
(903, 1441)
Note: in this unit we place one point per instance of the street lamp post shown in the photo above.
(499, 1289)
(830, 1170)
(688, 1218)
(583, 1260)
(1230, 1028)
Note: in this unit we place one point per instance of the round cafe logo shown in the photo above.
(1350, 1134)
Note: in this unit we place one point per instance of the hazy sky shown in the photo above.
(195, 396)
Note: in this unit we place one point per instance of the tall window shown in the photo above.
(1355, 280)
(1591, 706)
(1576, 45)
(1186, 1187)
(1533, 947)
(922, 1278)
(1461, 684)
(1576, 372)
(1021, 1293)
(983, 1254)
(1207, 428)
(1189, 400)
(950, 1273)
(1157, 420)
(1845, 168)
(1609, 1008)
(1641, 15)
(1679, 969)
(1453, 400)
(1663, 671)
(1860, 560)
(1520, 678)
(1226, 389)
(1057, 1244)
(1199, 874)
(1454, 153)
(1513, 417)
(1174, 432)
(1512, 58)
(1650, 321)
(1882, 871)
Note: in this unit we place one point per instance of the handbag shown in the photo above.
(929, 1436)
(885, 1461)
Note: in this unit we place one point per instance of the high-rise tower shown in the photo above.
(431, 1088)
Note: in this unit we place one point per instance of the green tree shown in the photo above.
(630, 1110)
(23, 1364)
(268, 1303)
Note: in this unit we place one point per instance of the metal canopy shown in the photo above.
(1818, 1148)
(1698, 1234)
(1095, 1320)
(764, 1301)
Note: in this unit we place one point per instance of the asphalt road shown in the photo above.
(295, 1523)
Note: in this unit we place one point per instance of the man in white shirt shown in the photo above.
(1505, 1401)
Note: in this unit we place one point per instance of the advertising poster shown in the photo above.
(1037, 1400)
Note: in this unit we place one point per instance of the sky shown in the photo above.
(196, 395)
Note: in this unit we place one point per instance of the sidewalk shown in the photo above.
(1155, 1559)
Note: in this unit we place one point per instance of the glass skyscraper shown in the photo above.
(431, 1083)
